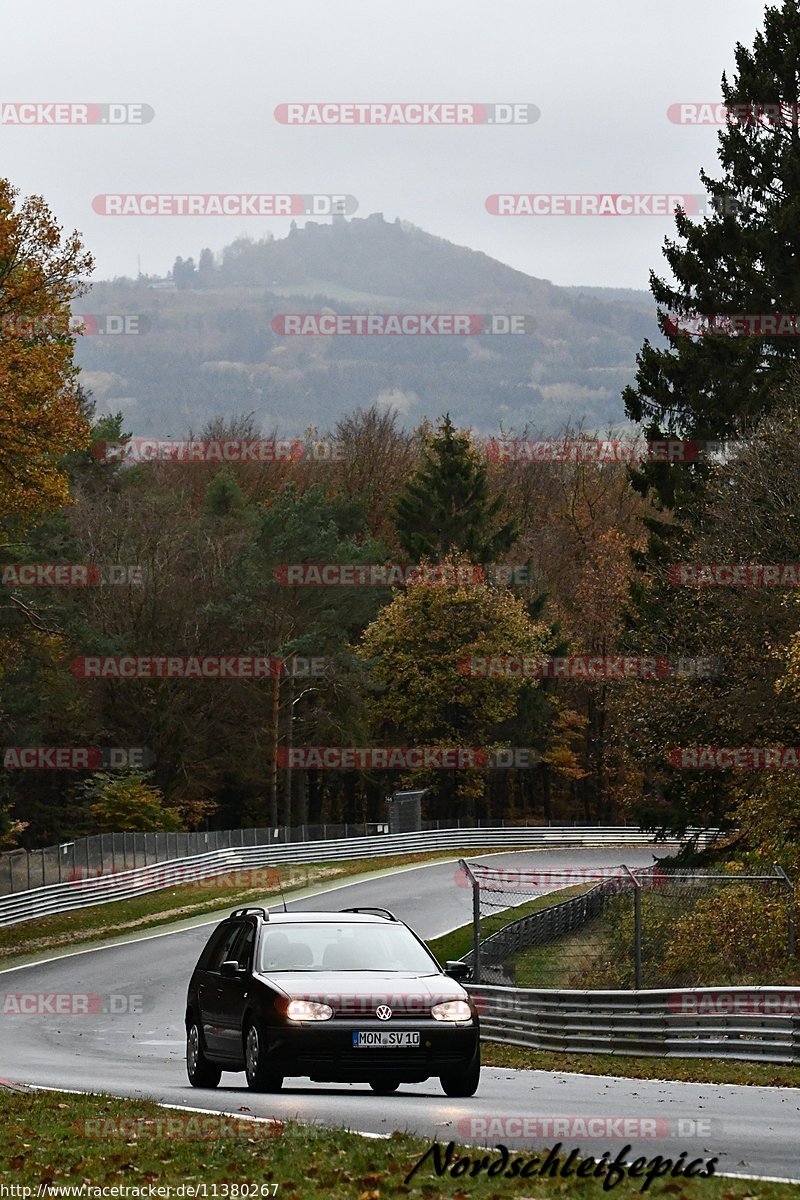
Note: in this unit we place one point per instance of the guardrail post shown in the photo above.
(637, 936)
(637, 929)
(791, 927)
(476, 930)
(476, 922)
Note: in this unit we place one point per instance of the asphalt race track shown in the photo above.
(140, 1053)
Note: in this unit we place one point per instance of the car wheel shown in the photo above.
(384, 1087)
(202, 1073)
(464, 1082)
(259, 1077)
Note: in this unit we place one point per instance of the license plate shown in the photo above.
(386, 1037)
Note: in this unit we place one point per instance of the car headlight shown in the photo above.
(308, 1010)
(452, 1010)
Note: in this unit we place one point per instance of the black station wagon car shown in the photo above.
(345, 997)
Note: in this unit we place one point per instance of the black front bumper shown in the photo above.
(324, 1051)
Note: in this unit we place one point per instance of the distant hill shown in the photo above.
(210, 349)
(626, 295)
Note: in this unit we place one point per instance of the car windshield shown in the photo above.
(345, 946)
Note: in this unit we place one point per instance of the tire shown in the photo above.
(201, 1072)
(464, 1082)
(259, 1077)
(384, 1087)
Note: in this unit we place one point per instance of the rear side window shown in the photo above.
(242, 950)
(219, 945)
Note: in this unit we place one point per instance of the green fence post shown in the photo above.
(637, 929)
(791, 927)
(476, 922)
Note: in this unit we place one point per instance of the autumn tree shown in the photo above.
(418, 648)
(40, 421)
(116, 803)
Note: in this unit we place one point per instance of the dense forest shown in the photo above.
(202, 551)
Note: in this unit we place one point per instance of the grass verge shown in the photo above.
(64, 1139)
(689, 1070)
(458, 942)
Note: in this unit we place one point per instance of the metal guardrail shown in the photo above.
(761, 1024)
(21, 870)
(128, 884)
(99, 853)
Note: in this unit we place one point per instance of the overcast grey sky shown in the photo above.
(603, 76)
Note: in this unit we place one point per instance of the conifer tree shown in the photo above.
(741, 258)
(446, 505)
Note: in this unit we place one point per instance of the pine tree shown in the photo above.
(742, 258)
(446, 505)
(224, 497)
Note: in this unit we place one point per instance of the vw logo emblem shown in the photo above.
(383, 1012)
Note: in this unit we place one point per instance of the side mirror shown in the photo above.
(457, 969)
(231, 969)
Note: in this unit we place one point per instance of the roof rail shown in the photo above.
(382, 912)
(242, 912)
